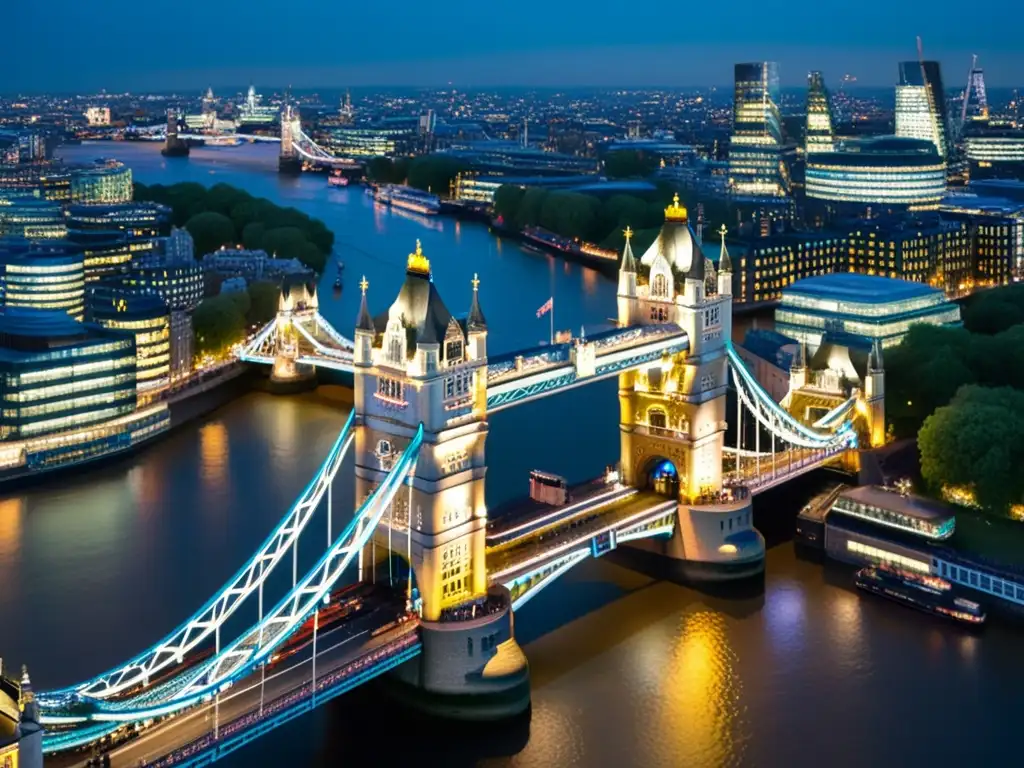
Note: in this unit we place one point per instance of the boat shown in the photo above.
(926, 593)
(337, 284)
(337, 179)
(224, 141)
(409, 199)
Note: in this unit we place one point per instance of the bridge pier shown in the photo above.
(417, 364)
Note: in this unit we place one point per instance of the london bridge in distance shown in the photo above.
(533, 363)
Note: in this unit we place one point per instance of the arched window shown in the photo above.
(657, 418)
(395, 349)
(659, 286)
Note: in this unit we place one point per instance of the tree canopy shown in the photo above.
(225, 215)
(977, 442)
(629, 164)
(218, 323)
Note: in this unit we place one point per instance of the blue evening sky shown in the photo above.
(70, 45)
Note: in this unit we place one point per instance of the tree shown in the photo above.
(507, 199)
(210, 231)
(218, 324)
(977, 442)
(284, 242)
(253, 235)
(434, 173)
(626, 164)
(264, 297)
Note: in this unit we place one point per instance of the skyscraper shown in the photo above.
(921, 104)
(975, 104)
(819, 116)
(755, 149)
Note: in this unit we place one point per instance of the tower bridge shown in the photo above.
(424, 386)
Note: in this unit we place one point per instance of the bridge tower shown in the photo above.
(174, 146)
(289, 162)
(673, 414)
(415, 364)
(874, 396)
(298, 299)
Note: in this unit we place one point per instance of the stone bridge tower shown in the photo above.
(673, 413)
(416, 364)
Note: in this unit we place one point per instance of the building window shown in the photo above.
(659, 286)
(389, 389)
(453, 352)
(457, 385)
(657, 418)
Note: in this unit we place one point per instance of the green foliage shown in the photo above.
(226, 215)
(210, 231)
(434, 173)
(629, 164)
(995, 310)
(977, 441)
(264, 297)
(507, 199)
(218, 323)
(385, 170)
(242, 301)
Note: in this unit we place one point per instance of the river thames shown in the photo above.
(626, 670)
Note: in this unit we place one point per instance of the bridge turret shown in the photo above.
(627, 282)
(476, 326)
(430, 368)
(724, 267)
(874, 394)
(365, 330)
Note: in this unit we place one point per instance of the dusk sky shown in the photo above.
(68, 45)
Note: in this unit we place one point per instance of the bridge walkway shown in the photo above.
(340, 648)
(506, 560)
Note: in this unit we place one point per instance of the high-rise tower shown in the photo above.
(921, 104)
(755, 149)
(819, 116)
(975, 104)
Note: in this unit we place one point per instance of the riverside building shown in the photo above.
(42, 276)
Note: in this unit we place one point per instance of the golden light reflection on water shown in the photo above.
(589, 281)
(11, 513)
(555, 732)
(213, 455)
(845, 614)
(701, 694)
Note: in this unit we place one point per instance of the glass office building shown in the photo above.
(819, 136)
(37, 276)
(859, 309)
(110, 182)
(30, 217)
(106, 253)
(148, 319)
(877, 175)
(755, 148)
(921, 111)
(136, 219)
(57, 374)
(995, 153)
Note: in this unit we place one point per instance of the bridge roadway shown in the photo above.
(517, 555)
(760, 474)
(338, 647)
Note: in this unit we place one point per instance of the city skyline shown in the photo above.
(228, 44)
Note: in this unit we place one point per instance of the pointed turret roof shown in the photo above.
(628, 261)
(677, 244)
(476, 320)
(418, 305)
(365, 320)
(724, 262)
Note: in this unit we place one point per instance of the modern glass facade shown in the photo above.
(921, 105)
(863, 307)
(135, 219)
(995, 153)
(148, 319)
(819, 116)
(755, 148)
(106, 253)
(38, 277)
(885, 174)
(57, 374)
(32, 218)
(912, 514)
(108, 183)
